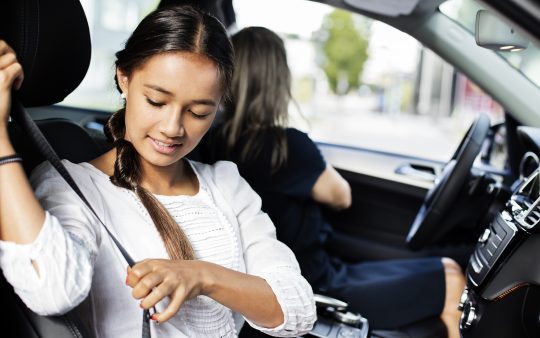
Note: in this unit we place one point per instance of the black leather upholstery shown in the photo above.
(19, 321)
(52, 41)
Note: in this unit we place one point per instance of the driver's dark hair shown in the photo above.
(261, 94)
(165, 30)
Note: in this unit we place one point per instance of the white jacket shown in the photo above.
(76, 257)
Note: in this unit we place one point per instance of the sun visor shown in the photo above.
(52, 42)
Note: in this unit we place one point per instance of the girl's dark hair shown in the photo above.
(261, 93)
(167, 29)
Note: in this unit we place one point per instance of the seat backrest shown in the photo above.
(69, 140)
(20, 321)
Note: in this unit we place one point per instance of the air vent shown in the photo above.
(529, 215)
(533, 217)
(524, 204)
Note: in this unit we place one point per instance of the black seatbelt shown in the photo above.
(21, 117)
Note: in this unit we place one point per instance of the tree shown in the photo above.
(345, 50)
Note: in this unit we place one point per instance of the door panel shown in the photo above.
(385, 199)
(382, 210)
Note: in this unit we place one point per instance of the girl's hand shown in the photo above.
(11, 76)
(154, 279)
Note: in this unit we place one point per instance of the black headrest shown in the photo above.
(52, 42)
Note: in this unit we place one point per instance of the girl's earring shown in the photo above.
(123, 96)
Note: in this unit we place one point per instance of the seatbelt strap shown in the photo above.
(23, 119)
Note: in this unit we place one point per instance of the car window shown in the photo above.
(393, 95)
(110, 23)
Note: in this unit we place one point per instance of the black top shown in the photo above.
(285, 194)
(381, 291)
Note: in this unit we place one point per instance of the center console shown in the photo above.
(503, 274)
(336, 322)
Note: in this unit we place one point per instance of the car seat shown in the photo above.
(52, 42)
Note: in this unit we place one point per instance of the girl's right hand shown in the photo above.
(11, 76)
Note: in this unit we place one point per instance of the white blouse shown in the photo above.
(76, 257)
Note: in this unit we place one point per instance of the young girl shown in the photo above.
(287, 170)
(207, 256)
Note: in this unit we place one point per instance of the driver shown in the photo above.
(287, 170)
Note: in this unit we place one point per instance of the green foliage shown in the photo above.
(345, 49)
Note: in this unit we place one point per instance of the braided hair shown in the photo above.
(168, 29)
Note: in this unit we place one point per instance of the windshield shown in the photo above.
(527, 61)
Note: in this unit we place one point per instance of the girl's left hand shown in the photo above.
(154, 279)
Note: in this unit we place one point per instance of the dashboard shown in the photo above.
(502, 297)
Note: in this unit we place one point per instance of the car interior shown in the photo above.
(484, 218)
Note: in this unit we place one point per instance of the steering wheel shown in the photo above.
(427, 227)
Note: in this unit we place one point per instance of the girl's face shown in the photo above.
(171, 101)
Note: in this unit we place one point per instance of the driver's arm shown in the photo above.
(332, 189)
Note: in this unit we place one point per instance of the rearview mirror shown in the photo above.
(493, 33)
